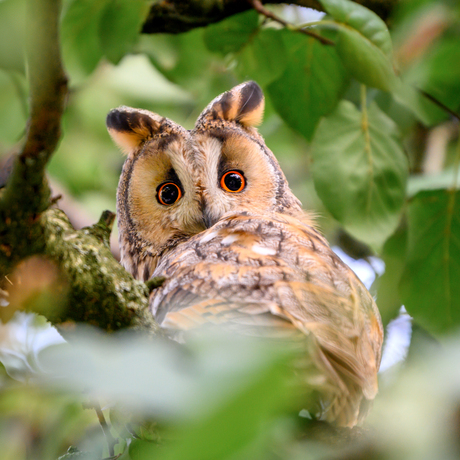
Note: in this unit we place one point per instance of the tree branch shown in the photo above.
(100, 291)
(177, 16)
(257, 5)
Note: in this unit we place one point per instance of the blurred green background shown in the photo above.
(216, 399)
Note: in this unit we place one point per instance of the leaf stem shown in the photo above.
(456, 163)
(367, 143)
(111, 441)
(257, 5)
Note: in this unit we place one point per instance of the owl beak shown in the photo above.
(208, 219)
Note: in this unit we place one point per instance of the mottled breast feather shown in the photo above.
(275, 276)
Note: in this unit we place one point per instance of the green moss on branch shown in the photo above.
(102, 292)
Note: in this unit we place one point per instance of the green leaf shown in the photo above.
(360, 171)
(264, 58)
(81, 44)
(426, 111)
(394, 256)
(12, 35)
(230, 35)
(365, 21)
(430, 286)
(436, 74)
(120, 25)
(363, 43)
(185, 60)
(311, 85)
(13, 101)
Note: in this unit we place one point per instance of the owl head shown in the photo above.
(176, 183)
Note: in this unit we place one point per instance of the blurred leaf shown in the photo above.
(360, 171)
(425, 110)
(264, 58)
(45, 422)
(36, 285)
(420, 182)
(185, 60)
(394, 257)
(439, 74)
(363, 43)
(430, 285)
(417, 417)
(180, 382)
(229, 427)
(311, 85)
(120, 25)
(231, 34)
(12, 35)
(13, 108)
(81, 45)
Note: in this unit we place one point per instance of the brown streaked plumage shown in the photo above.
(249, 259)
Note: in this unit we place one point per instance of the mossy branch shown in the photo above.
(100, 291)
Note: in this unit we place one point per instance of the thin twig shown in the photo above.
(257, 5)
(111, 441)
(439, 104)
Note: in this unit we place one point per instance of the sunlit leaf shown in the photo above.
(185, 60)
(394, 256)
(264, 58)
(13, 101)
(360, 171)
(363, 20)
(430, 286)
(231, 34)
(363, 43)
(81, 44)
(311, 85)
(12, 35)
(121, 22)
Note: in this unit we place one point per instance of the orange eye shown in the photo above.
(168, 193)
(233, 181)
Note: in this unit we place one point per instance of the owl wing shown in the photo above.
(277, 277)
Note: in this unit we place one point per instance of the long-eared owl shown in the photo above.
(211, 210)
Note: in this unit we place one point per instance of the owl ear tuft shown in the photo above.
(129, 128)
(243, 104)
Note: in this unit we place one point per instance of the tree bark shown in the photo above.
(178, 16)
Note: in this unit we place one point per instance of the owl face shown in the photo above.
(177, 183)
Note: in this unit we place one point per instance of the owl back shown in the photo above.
(274, 276)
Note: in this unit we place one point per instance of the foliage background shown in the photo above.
(378, 164)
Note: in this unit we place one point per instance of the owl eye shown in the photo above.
(233, 181)
(168, 193)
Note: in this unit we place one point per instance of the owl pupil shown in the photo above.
(233, 181)
(168, 193)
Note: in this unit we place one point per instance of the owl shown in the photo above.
(211, 210)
